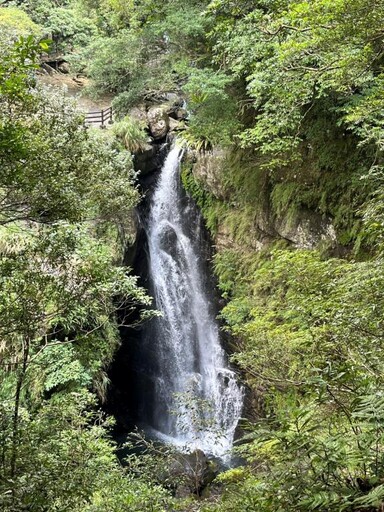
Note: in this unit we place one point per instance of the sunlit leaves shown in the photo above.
(310, 337)
(15, 23)
(65, 193)
(294, 53)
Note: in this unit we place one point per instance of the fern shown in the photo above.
(132, 134)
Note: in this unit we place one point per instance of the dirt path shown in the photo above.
(76, 88)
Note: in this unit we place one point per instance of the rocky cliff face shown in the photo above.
(162, 122)
(262, 223)
(305, 228)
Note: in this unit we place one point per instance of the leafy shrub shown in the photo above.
(132, 134)
(14, 23)
(213, 118)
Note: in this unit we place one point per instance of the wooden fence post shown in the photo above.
(99, 117)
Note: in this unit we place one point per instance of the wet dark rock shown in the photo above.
(144, 162)
(174, 99)
(192, 473)
(169, 240)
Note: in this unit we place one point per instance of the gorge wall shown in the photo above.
(267, 223)
(248, 213)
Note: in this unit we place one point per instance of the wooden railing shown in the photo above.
(100, 117)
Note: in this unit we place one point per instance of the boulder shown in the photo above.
(176, 126)
(306, 229)
(207, 169)
(139, 113)
(158, 121)
(175, 108)
(145, 161)
(174, 99)
(181, 113)
(192, 472)
(63, 67)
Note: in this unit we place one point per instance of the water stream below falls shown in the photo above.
(193, 399)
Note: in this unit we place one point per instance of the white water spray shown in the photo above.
(197, 401)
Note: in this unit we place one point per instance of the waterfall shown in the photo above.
(195, 398)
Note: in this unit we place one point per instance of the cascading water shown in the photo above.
(195, 399)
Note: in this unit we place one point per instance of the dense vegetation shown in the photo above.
(66, 195)
(291, 92)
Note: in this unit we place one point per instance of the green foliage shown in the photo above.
(208, 204)
(15, 23)
(20, 55)
(132, 134)
(39, 10)
(60, 292)
(155, 49)
(213, 111)
(83, 158)
(62, 368)
(309, 337)
(63, 21)
(293, 54)
(313, 467)
(64, 433)
(69, 29)
(115, 63)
